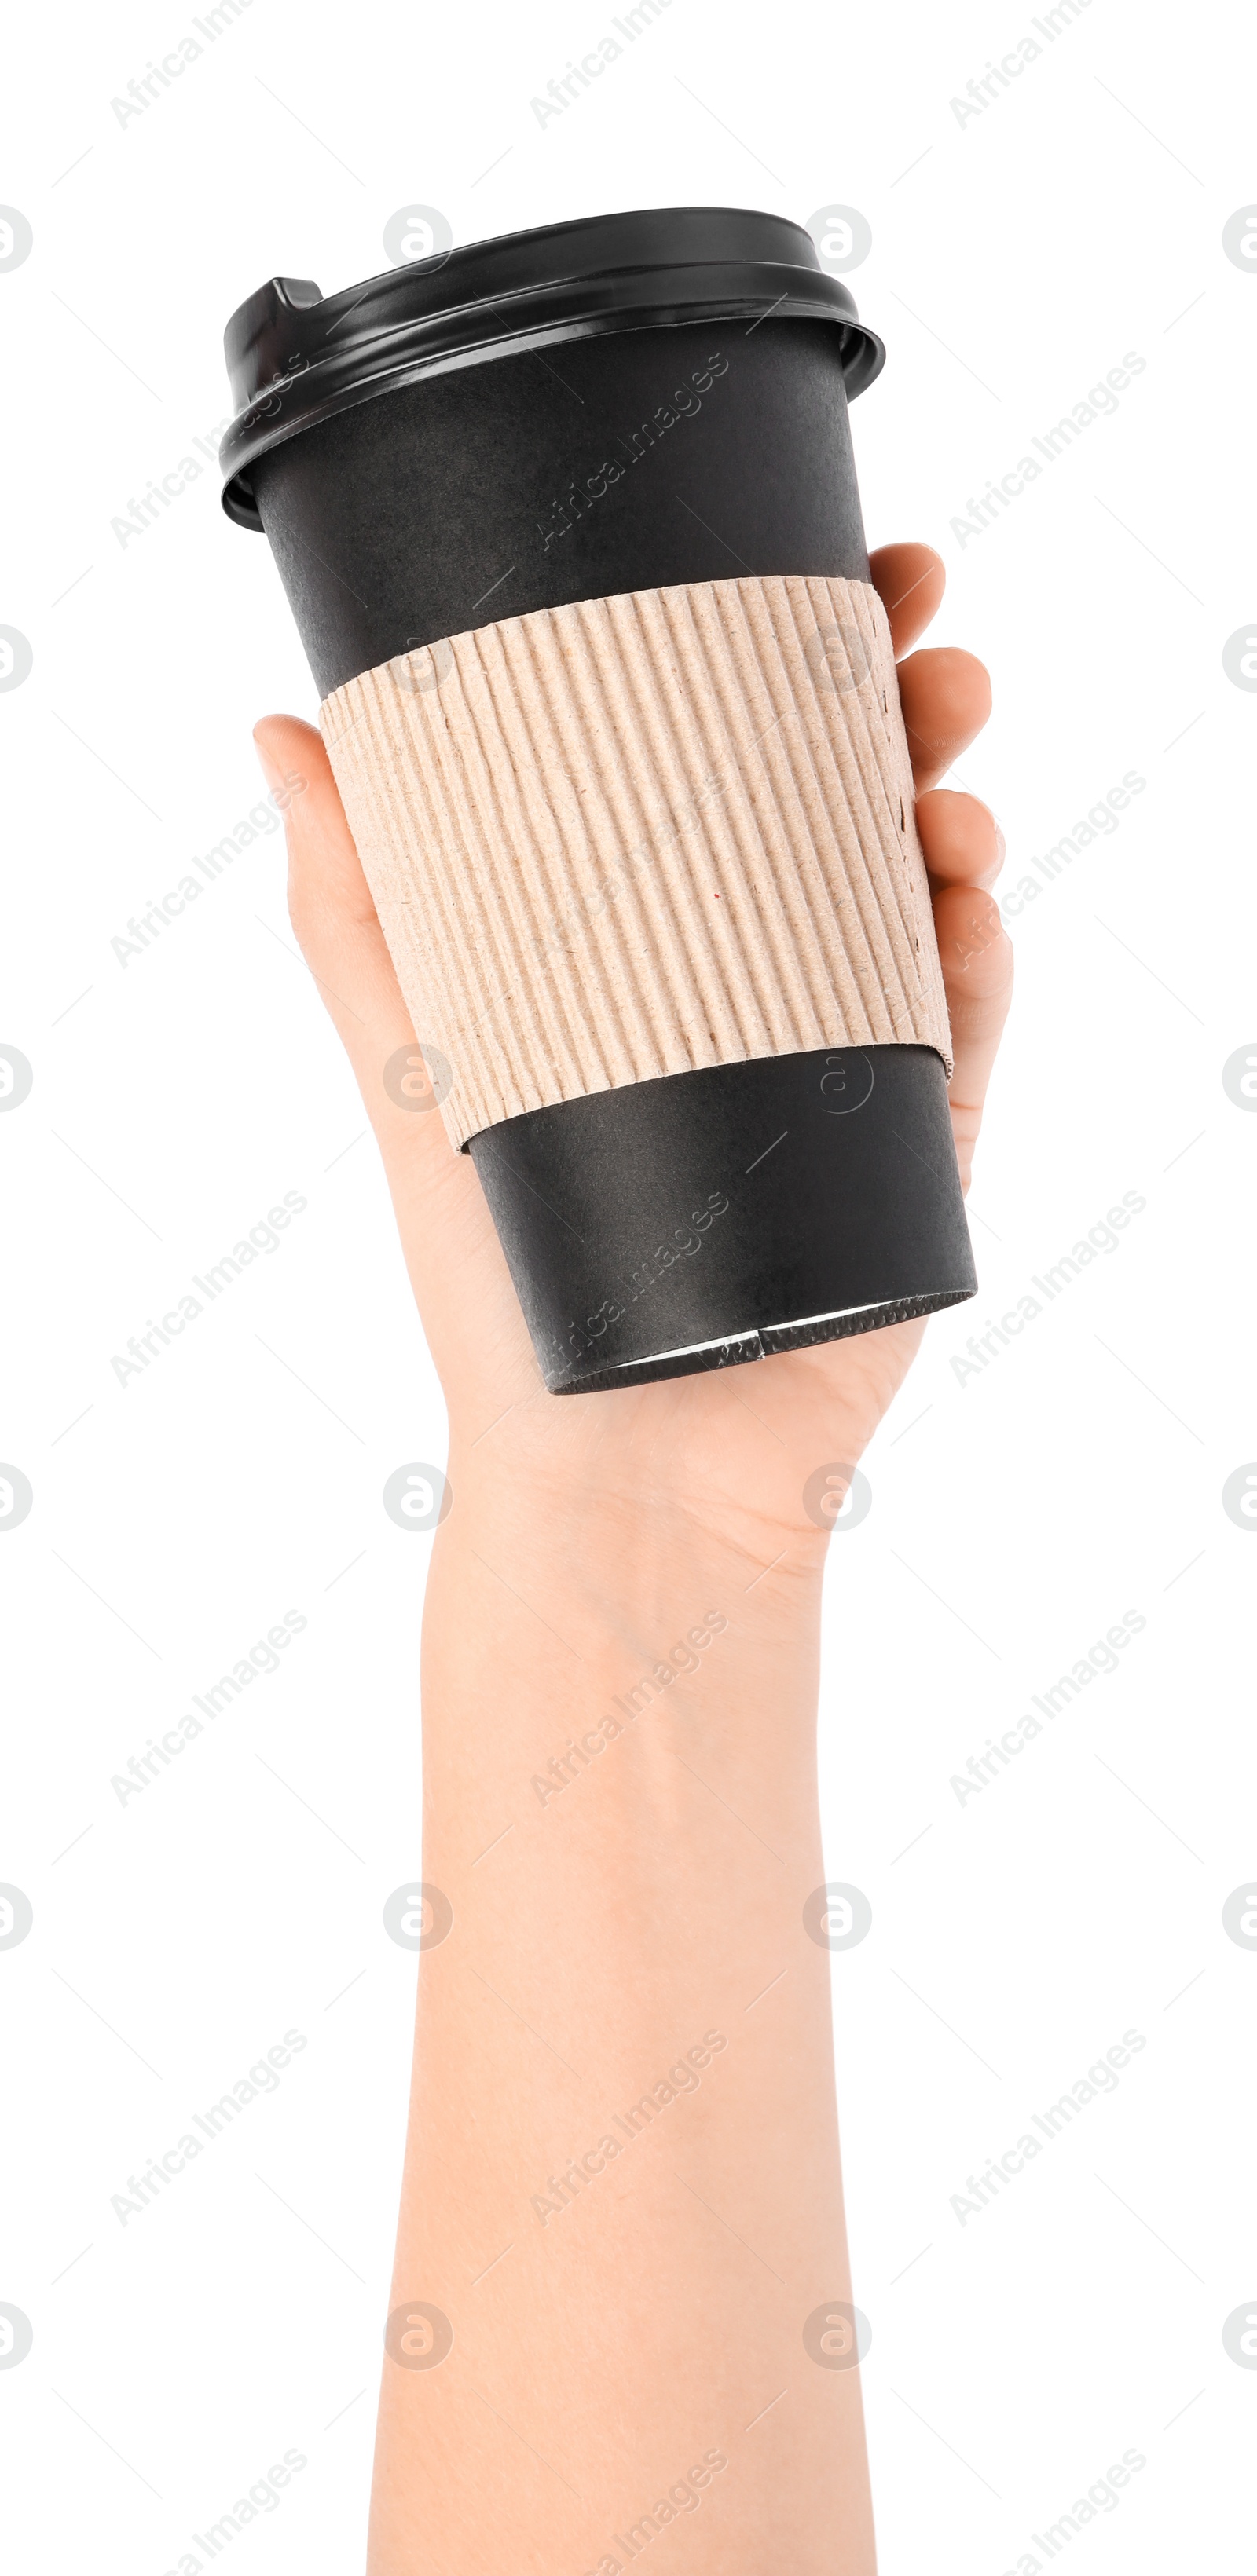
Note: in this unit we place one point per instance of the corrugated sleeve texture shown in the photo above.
(643, 834)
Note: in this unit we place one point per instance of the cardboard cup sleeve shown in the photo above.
(641, 836)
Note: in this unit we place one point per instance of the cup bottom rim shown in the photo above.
(761, 1342)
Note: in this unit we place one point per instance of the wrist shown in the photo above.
(653, 1697)
(623, 1553)
(550, 1603)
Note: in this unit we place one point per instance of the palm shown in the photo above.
(728, 1451)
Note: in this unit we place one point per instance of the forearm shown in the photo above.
(627, 1858)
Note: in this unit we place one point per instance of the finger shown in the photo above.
(334, 917)
(962, 841)
(910, 581)
(946, 699)
(976, 956)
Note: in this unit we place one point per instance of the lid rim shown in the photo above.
(257, 432)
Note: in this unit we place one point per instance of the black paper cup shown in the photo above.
(424, 454)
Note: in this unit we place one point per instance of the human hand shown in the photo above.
(727, 1452)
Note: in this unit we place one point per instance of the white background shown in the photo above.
(1016, 258)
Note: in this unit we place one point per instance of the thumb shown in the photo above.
(329, 900)
(338, 930)
(456, 1266)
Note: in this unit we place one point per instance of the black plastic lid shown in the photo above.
(296, 357)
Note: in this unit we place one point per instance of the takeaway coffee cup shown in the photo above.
(569, 525)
